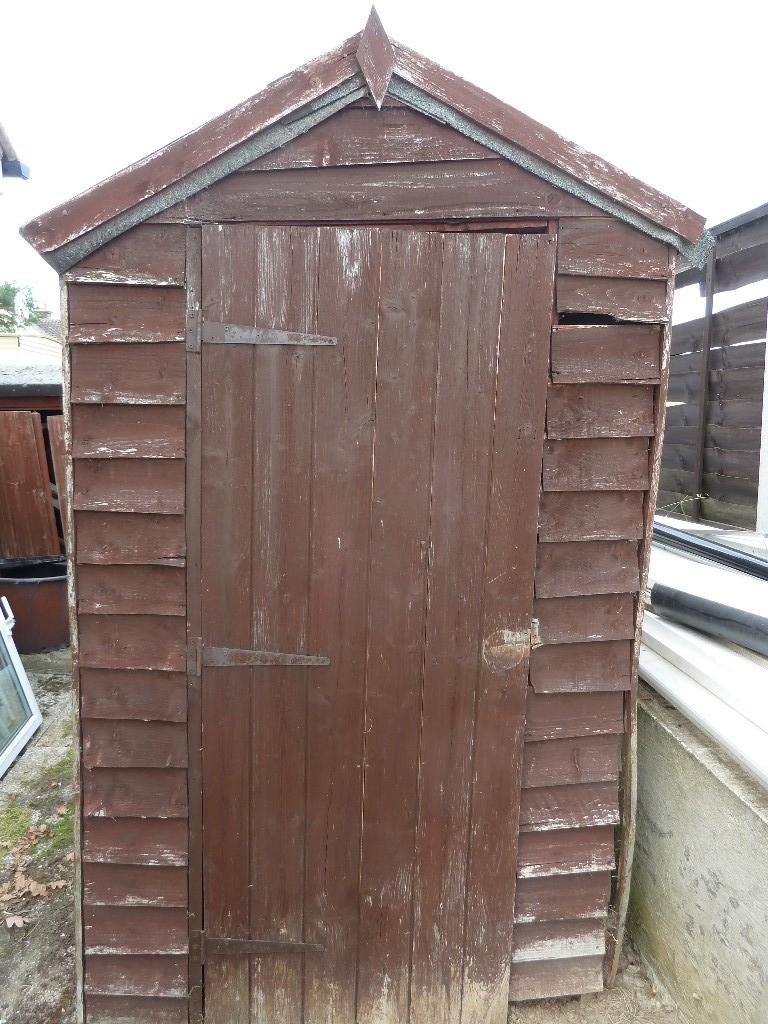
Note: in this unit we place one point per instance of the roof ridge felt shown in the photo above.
(368, 62)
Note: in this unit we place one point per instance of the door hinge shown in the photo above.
(214, 945)
(194, 656)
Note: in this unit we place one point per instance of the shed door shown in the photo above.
(371, 502)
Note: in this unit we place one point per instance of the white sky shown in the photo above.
(666, 89)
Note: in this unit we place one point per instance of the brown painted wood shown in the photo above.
(164, 976)
(551, 979)
(132, 641)
(137, 374)
(139, 930)
(511, 540)
(133, 744)
(606, 247)
(132, 694)
(558, 716)
(599, 410)
(589, 515)
(343, 397)
(604, 353)
(504, 120)
(125, 1010)
(58, 446)
(131, 590)
(622, 299)
(127, 432)
(585, 618)
(122, 313)
(129, 485)
(558, 940)
(570, 897)
(550, 807)
(593, 567)
(173, 162)
(159, 841)
(581, 668)
(27, 521)
(121, 538)
(135, 792)
(409, 305)
(128, 885)
(472, 283)
(426, 191)
(605, 464)
(149, 253)
(566, 852)
(355, 136)
(571, 761)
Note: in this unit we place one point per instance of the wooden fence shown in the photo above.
(710, 463)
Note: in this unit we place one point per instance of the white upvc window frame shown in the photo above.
(22, 736)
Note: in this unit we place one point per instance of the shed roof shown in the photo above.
(367, 64)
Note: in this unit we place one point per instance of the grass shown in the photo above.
(60, 837)
(14, 822)
(60, 772)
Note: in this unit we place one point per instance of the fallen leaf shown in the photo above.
(61, 810)
(55, 784)
(14, 921)
(58, 883)
(70, 856)
(37, 888)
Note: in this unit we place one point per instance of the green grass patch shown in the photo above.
(14, 822)
(60, 837)
(60, 772)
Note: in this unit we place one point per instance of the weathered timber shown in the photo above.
(142, 840)
(27, 521)
(129, 538)
(125, 432)
(571, 761)
(558, 940)
(109, 744)
(573, 806)
(587, 567)
(128, 885)
(590, 515)
(620, 298)
(124, 977)
(135, 930)
(149, 254)
(599, 410)
(550, 979)
(605, 464)
(571, 897)
(584, 618)
(135, 792)
(135, 374)
(566, 852)
(131, 590)
(582, 667)
(133, 641)
(609, 248)
(604, 353)
(129, 485)
(556, 716)
(116, 313)
(133, 694)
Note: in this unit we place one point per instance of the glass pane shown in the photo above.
(14, 709)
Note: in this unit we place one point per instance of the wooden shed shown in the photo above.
(366, 391)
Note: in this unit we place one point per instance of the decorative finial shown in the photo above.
(376, 57)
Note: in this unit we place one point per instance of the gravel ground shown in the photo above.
(36, 890)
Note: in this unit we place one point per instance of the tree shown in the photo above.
(17, 308)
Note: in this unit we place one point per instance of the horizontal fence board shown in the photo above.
(716, 460)
(137, 930)
(740, 439)
(562, 715)
(562, 898)
(135, 793)
(600, 410)
(133, 695)
(129, 374)
(590, 515)
(732, 414)
(104, 1009)
(605, 464)
(736, 489)
(130, 744)
(605, 247)
(742, 383)
(130, 885)
(355, 136)
(128, 431)
(133, 641)
(548, 807)
(589, 567)
(558, 940)
(622, 299)
(427, 191)
(745, 322)
(602, 353)
(136, 976)
(129, 485)
(751, 355)
(154, 253)
(27, 519)
(571, 761)
(128, 538)
(551, 979)
(730, 513)
(583, 619)
(133, 311)
(161, 841)
(565, 852)
(131, 589)
(602, 666)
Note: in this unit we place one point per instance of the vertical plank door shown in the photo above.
(372, 421)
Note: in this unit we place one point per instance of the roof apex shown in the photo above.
(366, 63)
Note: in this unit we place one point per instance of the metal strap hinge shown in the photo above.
(234, 657)
(214, 945)
(234, 334)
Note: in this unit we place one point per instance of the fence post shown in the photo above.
(706, 340)
(761, 526)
